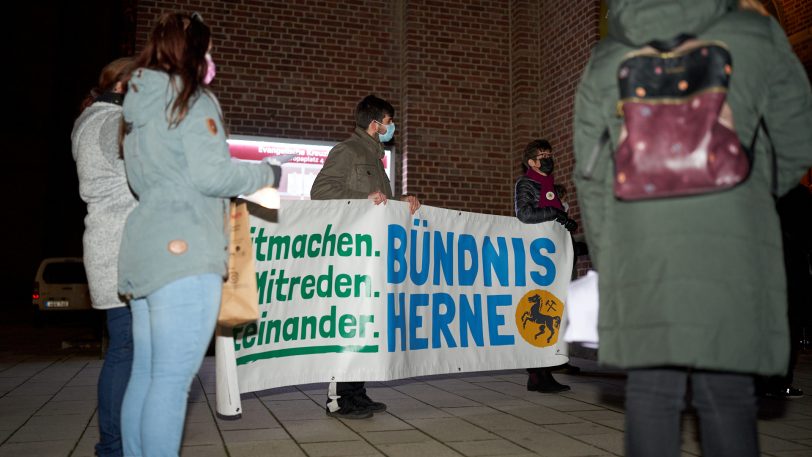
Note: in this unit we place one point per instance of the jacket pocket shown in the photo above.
(364, 179)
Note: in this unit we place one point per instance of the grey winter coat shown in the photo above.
(695, 281)
(103, 186)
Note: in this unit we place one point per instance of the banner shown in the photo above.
(350, 291)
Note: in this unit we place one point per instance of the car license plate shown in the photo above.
(57, 304)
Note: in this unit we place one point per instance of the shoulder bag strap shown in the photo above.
(593, 158)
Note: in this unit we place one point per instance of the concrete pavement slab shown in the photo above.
(48, 408)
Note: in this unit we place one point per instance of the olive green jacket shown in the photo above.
(697, 281)
(353, 170)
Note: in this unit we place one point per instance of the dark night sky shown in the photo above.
(53, 56)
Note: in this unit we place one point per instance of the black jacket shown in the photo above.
(527, 209)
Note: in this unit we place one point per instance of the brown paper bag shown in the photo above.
(240, 302)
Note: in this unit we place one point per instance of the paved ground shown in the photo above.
(48, 408)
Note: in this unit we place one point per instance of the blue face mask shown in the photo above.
(390, 132)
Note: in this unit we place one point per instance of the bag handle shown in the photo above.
(670, 44)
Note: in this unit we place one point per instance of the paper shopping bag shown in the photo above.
(239, 303)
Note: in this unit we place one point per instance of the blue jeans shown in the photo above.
(725, 403)
(113, 379)
(172, 328)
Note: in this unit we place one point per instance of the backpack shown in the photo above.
(678, 136)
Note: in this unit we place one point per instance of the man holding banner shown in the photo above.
(350, 291)
(353, 170)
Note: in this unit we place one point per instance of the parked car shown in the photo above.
(61, 285)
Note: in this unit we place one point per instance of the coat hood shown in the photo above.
(149, 96)
(637, 22)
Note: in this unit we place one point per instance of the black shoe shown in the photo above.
(532, 381)
(543, 381)
(787, 392)
(552, 386)
(364, 401)
(567, 369)
(351, 411)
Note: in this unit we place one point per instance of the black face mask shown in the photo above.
(546, 165)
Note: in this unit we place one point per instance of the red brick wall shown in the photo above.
(526, 71)
(563, 58)
(472, 82)
(796, 18)
(797, 15)
(294, 69)
(456, 73)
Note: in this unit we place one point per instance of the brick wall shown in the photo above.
(294, 69)
(796, 18)
(526, 71)
(456, 74)
(472, 81)
(796, 15)
(563, 58)
(468, 80)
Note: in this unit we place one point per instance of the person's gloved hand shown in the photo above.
(277, 173)
(276, 167)
(568, 223)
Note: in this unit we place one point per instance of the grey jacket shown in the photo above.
(353, 170)
(103, 186)
(183, 177)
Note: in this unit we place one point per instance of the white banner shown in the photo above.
(350, 291)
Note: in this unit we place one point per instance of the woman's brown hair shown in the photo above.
(753, 5)
(177, 45)
(114, 72)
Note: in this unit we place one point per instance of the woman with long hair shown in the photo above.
(173, 253)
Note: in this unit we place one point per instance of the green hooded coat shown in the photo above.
(698, 281)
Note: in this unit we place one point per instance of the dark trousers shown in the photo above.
(338, 393)
(350, 389)
(115, 374)
(725, 403)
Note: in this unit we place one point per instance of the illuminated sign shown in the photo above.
(299, 173)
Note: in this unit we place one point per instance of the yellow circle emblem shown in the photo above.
(538, 317)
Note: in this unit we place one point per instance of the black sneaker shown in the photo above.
(351, 410)
(364, 401)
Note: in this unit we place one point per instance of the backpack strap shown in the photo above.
(593, 158)
(773, 159)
